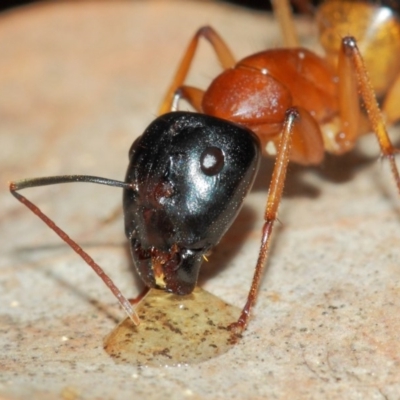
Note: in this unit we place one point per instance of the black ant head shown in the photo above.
(190, 174)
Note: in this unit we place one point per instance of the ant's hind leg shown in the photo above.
(283, 14)
(350, 55)
(221, 49)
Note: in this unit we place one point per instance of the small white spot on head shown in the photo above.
(14, 304)
(301, 55)
(270, 148)
(264, 71)
(64, 338)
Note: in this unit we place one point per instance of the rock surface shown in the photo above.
(78, 82)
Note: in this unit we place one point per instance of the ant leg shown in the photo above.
(51, 180)
(274, 197)
(349, 106)
(283, 13)
(140, 296)
(350, 53)
(304, 7)
(191, 94)
(221, 49)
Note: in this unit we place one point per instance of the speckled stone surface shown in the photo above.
(78, 83)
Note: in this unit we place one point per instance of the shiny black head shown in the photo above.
(190, 173)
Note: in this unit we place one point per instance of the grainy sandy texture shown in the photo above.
(78, 82)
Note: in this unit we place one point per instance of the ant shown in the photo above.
(300, 104)
(190, 172)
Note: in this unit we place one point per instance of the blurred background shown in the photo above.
(257, 4)
(260, 4)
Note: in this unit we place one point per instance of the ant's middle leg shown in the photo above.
(191, 94)
(221, 49)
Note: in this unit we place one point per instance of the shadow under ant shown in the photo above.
(335, 169)
(24, 254)
(230, 245)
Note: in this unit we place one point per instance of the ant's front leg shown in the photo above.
(293, 120)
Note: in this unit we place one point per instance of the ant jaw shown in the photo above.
(174, 271)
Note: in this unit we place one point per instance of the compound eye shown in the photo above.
(212, 161)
